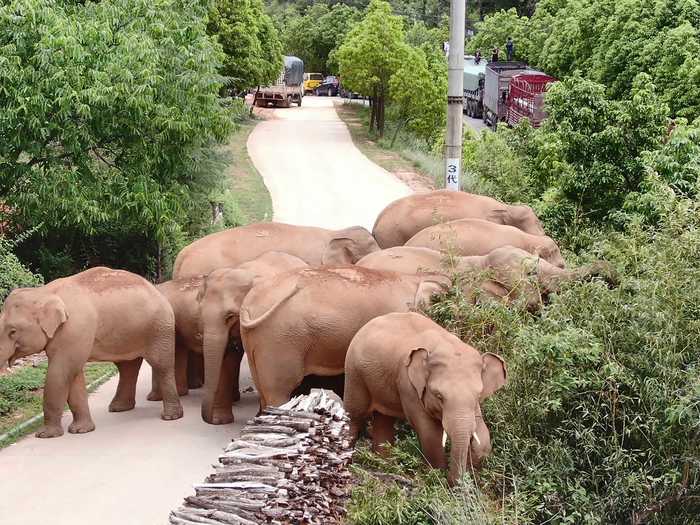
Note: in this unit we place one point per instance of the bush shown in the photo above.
(600, 422)
(12, 273)
(386, 496)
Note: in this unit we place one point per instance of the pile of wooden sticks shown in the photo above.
(289, 466)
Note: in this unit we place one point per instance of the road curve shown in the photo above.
(135, 467)
(315, 174)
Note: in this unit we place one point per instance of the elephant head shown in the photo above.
(523, 218)
(549, 251)
(430, 285)
(349, 246)
(451, 383)
(29, 321)
(220, 301)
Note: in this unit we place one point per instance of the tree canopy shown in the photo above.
(108, 111)
(372, 52)
(610, 42)
(249, 40)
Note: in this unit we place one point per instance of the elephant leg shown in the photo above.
(154, 394)
(195, 370)
(125, 397)
(58, 379)
(357, 402)
(223, 399)
(181, 359)
(78, 403)
(236, 349)
(430, 436)
(276, 377)
(161, 356)
(181, 380)
(383, 432)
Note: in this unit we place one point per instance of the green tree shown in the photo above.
(494, 32)
(315, 35)
(372, 52)
(250, 41)
(418, 91)
(108, 109)
(591, 147)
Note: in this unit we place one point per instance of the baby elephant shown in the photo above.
(97, 315)
(403, 365)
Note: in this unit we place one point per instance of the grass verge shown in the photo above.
(248, 193)
(405, 160)
(21, 395)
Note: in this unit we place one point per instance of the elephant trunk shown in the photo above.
(601, 269)
(460, 429)
(214, 347)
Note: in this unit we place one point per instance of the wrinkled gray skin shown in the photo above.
(506, 272)
(301, 322)
(315, 246)
(468, 237)
(405, 217)
(405, 366)
(96, 315)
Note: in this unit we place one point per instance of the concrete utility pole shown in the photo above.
(455, 95)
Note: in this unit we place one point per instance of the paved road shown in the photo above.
(315, 174)
(130, 471)
(134, 468)
(474, 123)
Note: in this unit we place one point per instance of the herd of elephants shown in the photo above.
(303, 301)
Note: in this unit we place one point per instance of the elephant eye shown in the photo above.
(439, 396)
(12, 333)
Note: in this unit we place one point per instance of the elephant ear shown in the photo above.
(493, 374)
(417, 366)
(340, 252)
(429, 286)
(52, 315)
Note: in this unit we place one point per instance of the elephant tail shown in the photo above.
(258, 299)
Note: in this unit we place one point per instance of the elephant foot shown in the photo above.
(182, 391)
(222, 417)
(195, 383)
(81, 427)
(121, 406)
(155, 396)
(49, 431)
(170, 414)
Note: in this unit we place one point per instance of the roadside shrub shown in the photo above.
(400, 488)
(600, 421)
(12, 273)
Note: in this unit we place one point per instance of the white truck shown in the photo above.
(288, 88)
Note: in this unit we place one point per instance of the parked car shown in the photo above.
(312, 81)
(330, 87)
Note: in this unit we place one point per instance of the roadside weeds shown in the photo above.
(21, 397)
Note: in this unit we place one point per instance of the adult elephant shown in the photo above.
(301, 322)
(405, 217)
(315, 246)
(506, 272)
(479, 237)
(206, 324)
(96, 315)
(429, 378)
